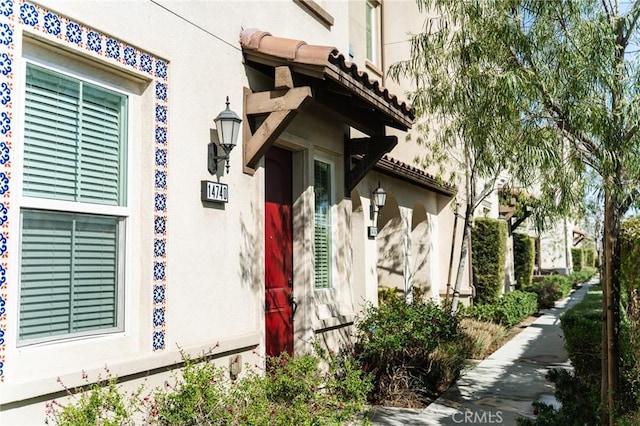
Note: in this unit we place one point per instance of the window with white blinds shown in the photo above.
(323, 230)
(74, 151)
(68, 275)
(74, 140)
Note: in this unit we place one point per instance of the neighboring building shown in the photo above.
(112, 250)
(552, 244)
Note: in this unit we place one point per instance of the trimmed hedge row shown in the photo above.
(577, 258)
(509, 310)
(523, 258)
(488, 242)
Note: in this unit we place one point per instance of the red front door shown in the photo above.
(278, 253)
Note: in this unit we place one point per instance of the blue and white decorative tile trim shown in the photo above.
(19, 15)
(7, 72)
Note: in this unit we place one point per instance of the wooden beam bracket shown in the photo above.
(371, 149)
(279, 106)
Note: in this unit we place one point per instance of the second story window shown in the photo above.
(373, 32)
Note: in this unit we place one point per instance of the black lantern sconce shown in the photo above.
(227, 129)
(378, 199)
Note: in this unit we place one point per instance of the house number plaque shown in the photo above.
(214, 192)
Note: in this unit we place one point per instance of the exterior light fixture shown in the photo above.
(379, 196)
(227, 128)
(378, 199)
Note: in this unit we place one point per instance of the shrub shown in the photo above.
(580, 277)
(293, 390)
(481, 337)
(414, 351)
(103, 403)
(577, 391)
(508, 311)
(577, 259)
(523, 258)
(630, 279)
(590, 257)
(488, 241)
(550, 289)
(515, 306)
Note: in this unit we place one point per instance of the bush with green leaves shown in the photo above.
(103, 403)
(578, 391)
(523, 258)
(552, 288)
(509, 310)
(313, 389)
(590, 257)
(488, 242)
(581, 277)
(577, 257)
(411, 349)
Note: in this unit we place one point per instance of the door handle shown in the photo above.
(294, 305)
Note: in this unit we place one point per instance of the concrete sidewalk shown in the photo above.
(502, 387)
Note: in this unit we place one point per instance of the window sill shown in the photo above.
(317, 11)
(338, 321)
(125, 366)
(373, 68)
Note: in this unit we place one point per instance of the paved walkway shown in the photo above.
(502, 387)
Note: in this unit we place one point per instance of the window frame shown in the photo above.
(373, 32)
(332, 220)
(120, 212)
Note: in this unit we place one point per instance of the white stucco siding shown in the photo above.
(211, 266)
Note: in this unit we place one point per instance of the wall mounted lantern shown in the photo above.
(378, 199)
(227, 128)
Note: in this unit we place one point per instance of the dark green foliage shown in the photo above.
(581, 277)
(578, 405)
(577, 257)
(409, 348)
(589, 257)
(582, 327)
(630, 292)
(488, 241)
(550, 289)
(508, 311)
(523, 258)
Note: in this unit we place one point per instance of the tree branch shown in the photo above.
(634, 14)
(557, 113)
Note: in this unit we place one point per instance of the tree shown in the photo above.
(552, 82)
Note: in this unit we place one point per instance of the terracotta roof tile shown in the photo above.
(415, 174)
(299, 52)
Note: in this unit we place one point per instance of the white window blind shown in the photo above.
(323, 240)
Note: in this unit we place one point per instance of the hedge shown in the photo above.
(509, 310)
(578, 259)
(630, 280)
(488, 243)
(523, 258)
(590, 257)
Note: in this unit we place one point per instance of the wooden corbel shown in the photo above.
(506, 211)
(371, 149)
(519, 221)
(279, 106)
